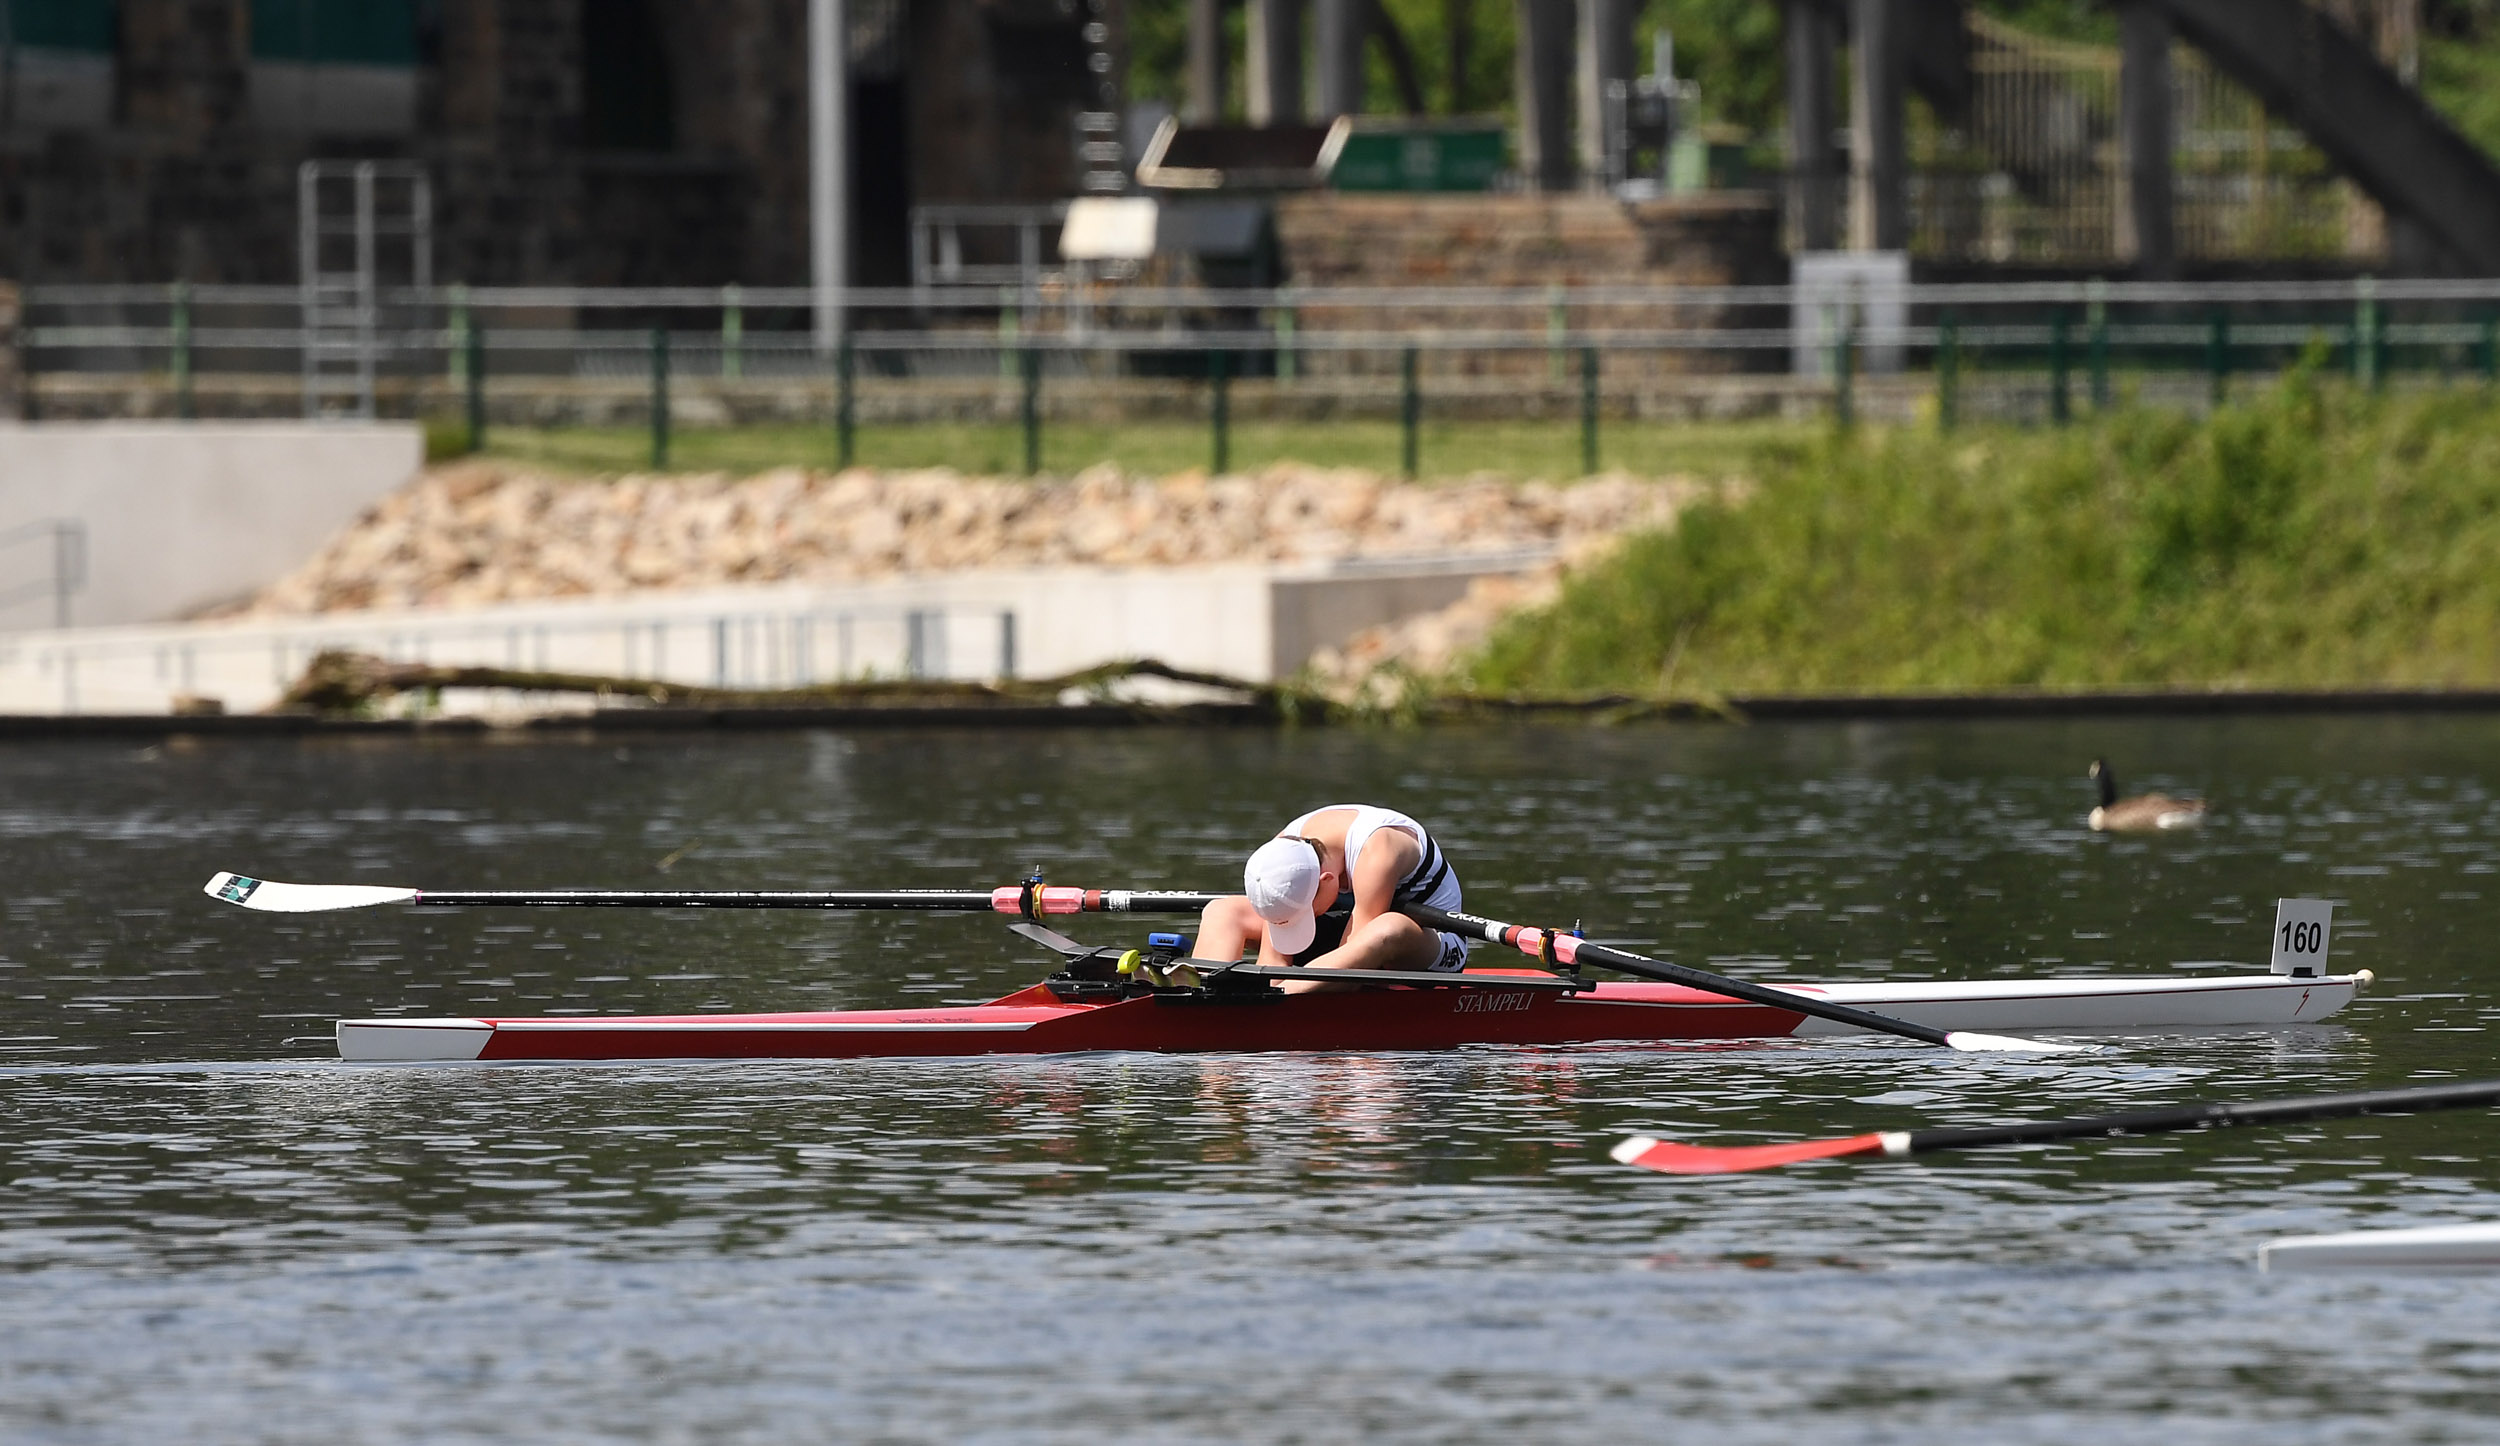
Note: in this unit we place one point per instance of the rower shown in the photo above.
(1324, 893)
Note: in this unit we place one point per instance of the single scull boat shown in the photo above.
(1156, 1000)
(1091, 1006)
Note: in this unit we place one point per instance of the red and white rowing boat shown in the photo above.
(1481, 1007)
(1153, 999)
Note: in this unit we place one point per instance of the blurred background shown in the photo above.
(1418, 238)
(896, 207)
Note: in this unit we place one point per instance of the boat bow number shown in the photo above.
(2300, 936)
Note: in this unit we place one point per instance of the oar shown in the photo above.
(1030, 899)
(1670, 1158)
(1558, 948)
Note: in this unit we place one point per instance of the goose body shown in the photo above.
(2144, 813)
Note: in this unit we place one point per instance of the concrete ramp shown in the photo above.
(176, 516)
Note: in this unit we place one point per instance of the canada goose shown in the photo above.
(2143, 813)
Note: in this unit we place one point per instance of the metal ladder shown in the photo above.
(346, 239)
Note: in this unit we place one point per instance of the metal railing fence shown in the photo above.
(554, 354)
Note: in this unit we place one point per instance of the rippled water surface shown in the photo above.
(210, 1230)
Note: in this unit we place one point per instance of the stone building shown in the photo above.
(587, 142)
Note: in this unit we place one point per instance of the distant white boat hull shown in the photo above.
(2424, 1249)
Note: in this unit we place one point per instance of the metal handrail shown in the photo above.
(69, 564)
(737, 647)
(1430, 339)
(1141, 298)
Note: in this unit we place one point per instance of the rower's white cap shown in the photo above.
(1282, 879)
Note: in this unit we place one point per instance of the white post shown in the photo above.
(828, 169)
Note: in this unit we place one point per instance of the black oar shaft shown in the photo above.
(1493, 931)
(1053, 900)
(930, 899)
(2201, 1116)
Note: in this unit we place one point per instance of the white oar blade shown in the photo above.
(2008, 1044)
(276, 898)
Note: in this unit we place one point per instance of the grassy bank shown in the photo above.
(2311, 537)
(1446, 448)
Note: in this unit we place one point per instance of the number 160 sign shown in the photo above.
(2300, 930)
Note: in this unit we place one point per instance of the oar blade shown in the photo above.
(1669, 1158)
(270, 897)
(2009, 1044)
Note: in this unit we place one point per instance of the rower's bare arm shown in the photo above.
(1391, 855)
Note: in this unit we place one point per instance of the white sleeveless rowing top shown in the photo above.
(1432, 881)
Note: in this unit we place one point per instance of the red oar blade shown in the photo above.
(1670, 1158)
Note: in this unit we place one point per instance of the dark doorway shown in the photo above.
(880, 183)
(626, 100)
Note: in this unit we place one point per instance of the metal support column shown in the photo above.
(1948, 373)
(2145, 137)
(2218, 358)
(179, 360)
(1275, 62)
(1879, 176)
(1220, 409)
(845, 413)
(1605, 54)
(1031, 411)
(1543, 78)
(1813, 161)
(474, 378)
(1204, 104)
(659, 399)
(828, 164)
(2061, 407)
(1410, 415)
(1588, 411)
(1337, 49)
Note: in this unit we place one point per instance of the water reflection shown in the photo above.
(1422, 1245)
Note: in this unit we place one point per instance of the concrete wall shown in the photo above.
(180, 516)
(1249, 621)
(1321, 610)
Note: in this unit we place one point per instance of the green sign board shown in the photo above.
(1459, 157)
(85, 26)
(337, 32)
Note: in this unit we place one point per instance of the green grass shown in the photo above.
(1446, 449)
(2461, 76)
(2311, 536)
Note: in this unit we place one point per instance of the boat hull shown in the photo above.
(2430, 1249)
(1034, 1021)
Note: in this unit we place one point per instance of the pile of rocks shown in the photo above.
(484, 533)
